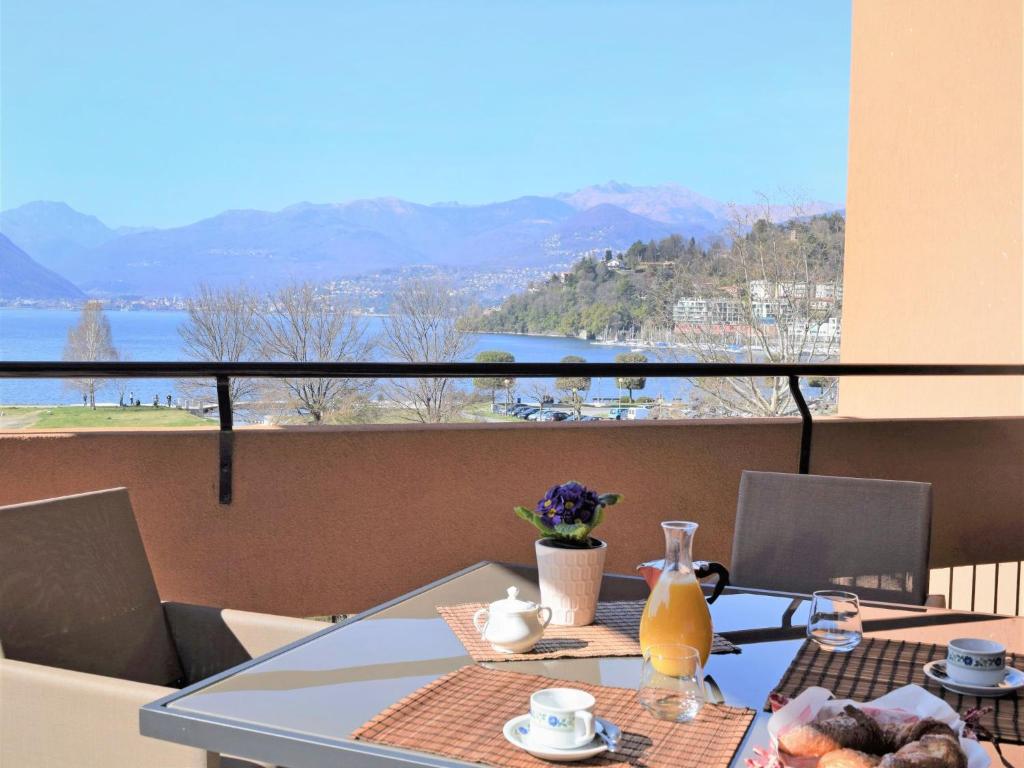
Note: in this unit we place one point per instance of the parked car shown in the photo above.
(518, 410)
(528, 413)
(552, 416)
(638, 414)
(617, 413)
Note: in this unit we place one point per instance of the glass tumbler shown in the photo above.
(835, 623)
(672, 682)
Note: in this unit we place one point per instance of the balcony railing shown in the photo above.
(222, 372)
(966, 586)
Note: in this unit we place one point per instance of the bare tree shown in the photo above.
(784, 309)
(90, 340)
(573, 387)
(305, 326)
(222, 326)
(423, 326)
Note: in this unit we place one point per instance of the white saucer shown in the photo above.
(1013, 681)
(517, 731)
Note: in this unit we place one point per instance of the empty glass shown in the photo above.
(835, 623)
(672, 682)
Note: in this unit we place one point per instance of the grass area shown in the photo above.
(75, 416)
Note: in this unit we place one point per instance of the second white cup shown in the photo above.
(562, 718)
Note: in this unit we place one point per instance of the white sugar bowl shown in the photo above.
(512, 625)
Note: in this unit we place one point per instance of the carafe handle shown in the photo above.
(704, 568)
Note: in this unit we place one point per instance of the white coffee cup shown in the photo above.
(975, 661)
(561, 718)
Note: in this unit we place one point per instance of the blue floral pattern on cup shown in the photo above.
(553, 721)
(974, 662)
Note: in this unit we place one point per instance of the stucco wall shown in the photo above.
(934, 261)
(337, 519)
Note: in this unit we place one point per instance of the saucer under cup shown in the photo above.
(938, 670)
(517, 731)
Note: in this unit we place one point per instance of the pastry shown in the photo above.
(847, 758)
(897, 736)
(851, 729)
(933, 750)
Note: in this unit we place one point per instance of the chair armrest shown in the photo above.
(210, 640)
(51, 717)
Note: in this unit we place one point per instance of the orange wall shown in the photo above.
(934, 261)
(330, 520)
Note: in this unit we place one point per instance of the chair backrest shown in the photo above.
(77, 592)
(802, 533)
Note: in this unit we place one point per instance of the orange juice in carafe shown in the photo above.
(676, 612)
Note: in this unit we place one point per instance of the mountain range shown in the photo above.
(23, 277)
(319, 242)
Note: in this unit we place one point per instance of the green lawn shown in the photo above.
(75, 416)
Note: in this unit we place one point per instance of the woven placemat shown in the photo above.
(615, 632)
(461, 715)
(878, 666)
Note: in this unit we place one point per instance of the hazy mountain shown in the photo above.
(54, 233)
(21, 277)
(324, 241)
(679, 206)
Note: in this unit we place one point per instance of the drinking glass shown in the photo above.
(672, 682)
(835, 621)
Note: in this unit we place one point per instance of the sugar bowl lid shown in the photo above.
(512, 603)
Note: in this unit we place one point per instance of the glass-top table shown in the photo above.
(296, 706)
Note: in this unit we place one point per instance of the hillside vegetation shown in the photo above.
(639, 287)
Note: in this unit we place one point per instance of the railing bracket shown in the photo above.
(227, 437)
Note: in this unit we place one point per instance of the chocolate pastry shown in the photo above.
(851, 729)
(897, 736)
(932, 750)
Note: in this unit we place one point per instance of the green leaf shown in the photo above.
(534, 519)
(607, 499)
(573, 531)
(597, 517)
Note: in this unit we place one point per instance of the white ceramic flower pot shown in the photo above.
(570, 581)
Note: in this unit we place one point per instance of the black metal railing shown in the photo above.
(222, 373)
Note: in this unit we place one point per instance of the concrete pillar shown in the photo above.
(934, 264)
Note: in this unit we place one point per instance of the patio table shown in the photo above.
(296, 706)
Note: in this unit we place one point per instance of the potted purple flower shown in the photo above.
(570, 562)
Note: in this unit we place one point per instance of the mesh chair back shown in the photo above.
(802, 533)
(77, 592)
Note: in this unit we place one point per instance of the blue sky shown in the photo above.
(163, 113)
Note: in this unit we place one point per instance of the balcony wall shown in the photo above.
(329, 520)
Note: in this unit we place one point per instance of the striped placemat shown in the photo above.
(462, 714)
(878, 666)
(615, 632)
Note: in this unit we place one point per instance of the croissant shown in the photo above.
(847, 758)
(932, 750)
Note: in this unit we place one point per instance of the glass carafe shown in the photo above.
(676, 612)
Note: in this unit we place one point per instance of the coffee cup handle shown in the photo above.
(544, 614)
(585, 719)
(484, 614)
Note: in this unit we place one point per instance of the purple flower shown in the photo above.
(570, 504)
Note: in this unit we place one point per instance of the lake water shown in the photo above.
(39, 334)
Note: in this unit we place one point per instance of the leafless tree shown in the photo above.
(304, 325)
(222, 326)
(784, 314)
(423, 326)
(90, 340)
